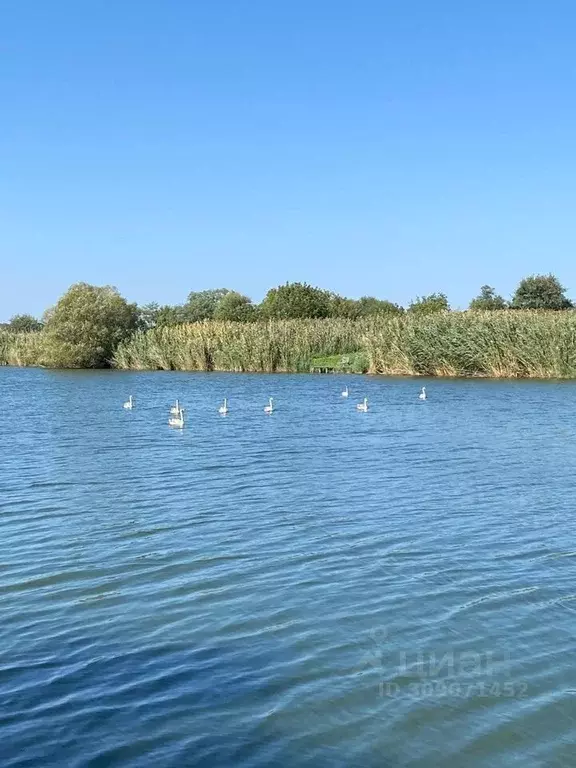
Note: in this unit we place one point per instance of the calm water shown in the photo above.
(319, 587)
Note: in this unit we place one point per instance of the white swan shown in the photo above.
(363, 406)
(177, 421)
(175, 409)
(223, 408)
(345, 393)
(422, 394)
(270, 407)
(129, 404)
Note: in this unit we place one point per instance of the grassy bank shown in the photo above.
(496, 344)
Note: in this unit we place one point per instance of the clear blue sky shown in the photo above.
(386, 147)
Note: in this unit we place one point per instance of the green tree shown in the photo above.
(235, 306)
(86, 325)
(171, 315)
(427, 305)
(294, 300)
(153, 315)
(201, 305)
(540, 292)
(148, 316)
(368, 305)
(24, 324)
(343, 307)
(488, 299)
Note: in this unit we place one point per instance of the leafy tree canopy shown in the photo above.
(427, 305)
(171, 315)
(86, 326)
(540, 292)
(294, 300)
(148, 316)
(488, 299)
(343, 307)
(201, 305)
(235, 306)
(24, 324)
(368, 305)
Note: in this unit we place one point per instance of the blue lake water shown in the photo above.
(318, 587)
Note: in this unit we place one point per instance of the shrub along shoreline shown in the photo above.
(507, 343)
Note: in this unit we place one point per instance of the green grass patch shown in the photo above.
(354, 362)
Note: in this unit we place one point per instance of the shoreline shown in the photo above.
(371, 374)
(498, 345)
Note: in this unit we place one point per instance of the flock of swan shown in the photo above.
(176, 418)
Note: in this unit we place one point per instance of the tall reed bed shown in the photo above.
(21, 348)
(497, 344)
(282, 345)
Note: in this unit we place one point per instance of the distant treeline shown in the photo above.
(298, 327)
(300, 300)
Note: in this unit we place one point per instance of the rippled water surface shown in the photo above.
(318, 587)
